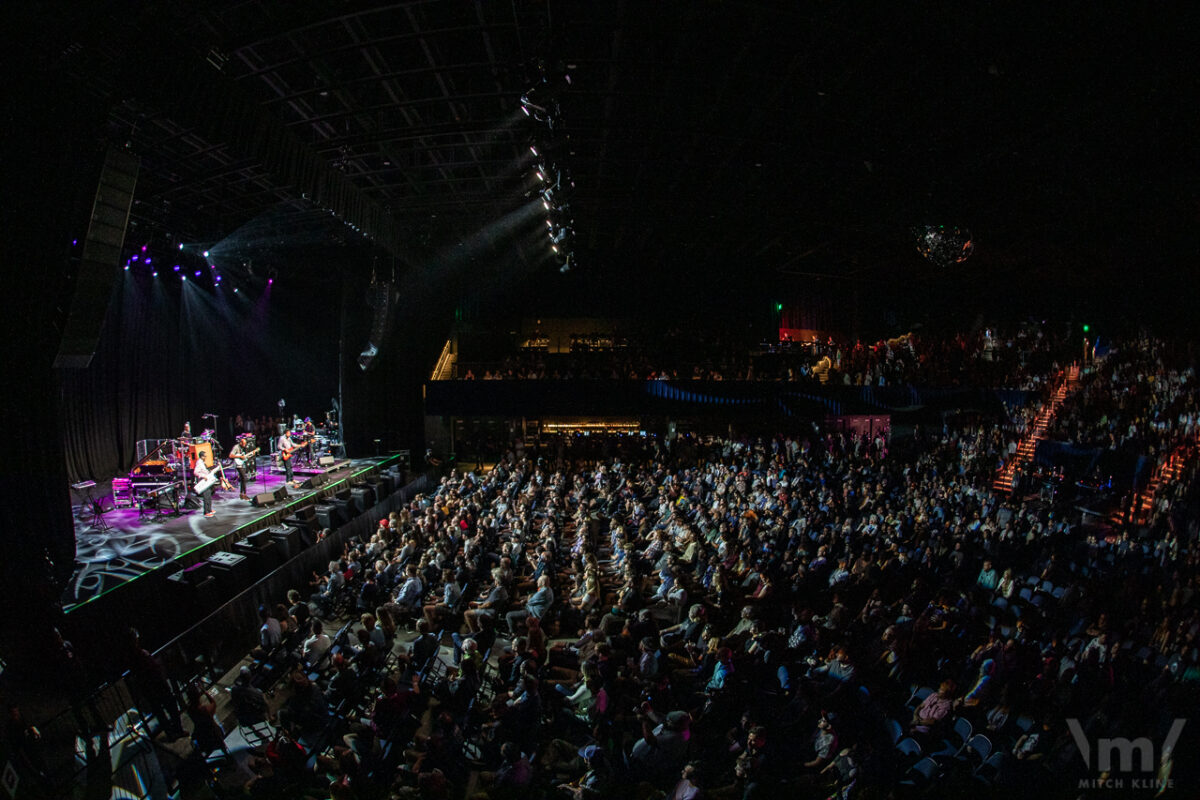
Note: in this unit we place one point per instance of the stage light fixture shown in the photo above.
(270, 281)
(545, 205)
(533, 149)
(147, 259)
(127, 268)
(183, 278)
(197, 273)
(155, 273)
(206, 254)
(181, 245)
(554, 247)
(143, 248)
(177, 268)
(133, 258)
(235, 290)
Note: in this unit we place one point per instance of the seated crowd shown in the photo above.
(811, 615)
(986, 358)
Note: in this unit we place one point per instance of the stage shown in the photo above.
(138, 543)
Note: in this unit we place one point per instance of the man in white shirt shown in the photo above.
(316, 645)
(203, 473)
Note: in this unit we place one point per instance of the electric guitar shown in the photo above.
(286, 453)
(240, 461)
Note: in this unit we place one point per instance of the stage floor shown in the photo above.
(136, 544)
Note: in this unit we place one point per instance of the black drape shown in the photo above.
(170, 354)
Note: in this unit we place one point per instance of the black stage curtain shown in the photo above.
(170, 353)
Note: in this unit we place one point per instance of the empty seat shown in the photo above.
(960, 733)
(922, 773)
(910, 747)
(895, 731)
(977, 748)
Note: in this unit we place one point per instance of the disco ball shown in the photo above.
(944, 245)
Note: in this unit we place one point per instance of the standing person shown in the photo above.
(206, 481)
(287, 451)
(243, 450)
(150, 684)
(310, 438)
(202, 711)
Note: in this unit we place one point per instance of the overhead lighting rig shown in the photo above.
(542, 104)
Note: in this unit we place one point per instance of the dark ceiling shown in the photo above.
(747, 137)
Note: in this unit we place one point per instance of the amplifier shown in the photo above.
(232, 571)
(290, 539)
(362, 498)
(226, 559)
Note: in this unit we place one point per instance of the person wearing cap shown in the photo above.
(597, 780)
(663, 747)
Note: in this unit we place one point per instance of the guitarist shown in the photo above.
(241, 454)
(310, 436)
(287, 451)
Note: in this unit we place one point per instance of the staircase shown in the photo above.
(1006, 476)
(1170, 470)
(444, 369)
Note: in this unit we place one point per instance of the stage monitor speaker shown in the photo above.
(98, 265)
(315, 481)
(327, 461)
(270, 498)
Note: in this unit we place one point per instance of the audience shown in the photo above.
(757, 616)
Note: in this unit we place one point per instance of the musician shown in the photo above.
(202, 472)
(287, 449)
(310, 437)
(243, 450)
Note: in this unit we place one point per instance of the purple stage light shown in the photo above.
(147, 259)
(177, 268)
(143, 248)
(197, 273)
(133, 258)
(270, 281)
(74, 242)
(218, 279)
